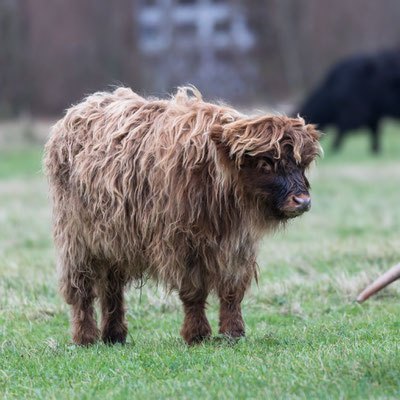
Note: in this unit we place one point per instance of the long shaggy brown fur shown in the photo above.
(164, 189)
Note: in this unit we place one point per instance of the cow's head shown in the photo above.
(271, 155)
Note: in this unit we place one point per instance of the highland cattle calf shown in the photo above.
(177, 190)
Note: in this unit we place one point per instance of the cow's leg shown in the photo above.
(375, 145)
(337, 144)
(111, 291)
(230, 316)
(78, 291)
(195, 325)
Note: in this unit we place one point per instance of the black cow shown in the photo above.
(357, 92)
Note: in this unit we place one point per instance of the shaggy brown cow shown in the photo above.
(178, 190)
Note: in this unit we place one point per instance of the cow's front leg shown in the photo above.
(230, 316)
(195, 325)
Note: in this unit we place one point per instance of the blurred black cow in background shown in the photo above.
(357, 92)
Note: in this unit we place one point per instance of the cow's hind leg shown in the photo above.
(111, 291)
(78, 291)
(195, 325)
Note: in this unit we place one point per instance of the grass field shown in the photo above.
(306, 336)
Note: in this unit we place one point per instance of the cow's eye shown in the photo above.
(267, 167)
(264, 165)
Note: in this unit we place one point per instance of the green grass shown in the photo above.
(20, 163)
(306, 336)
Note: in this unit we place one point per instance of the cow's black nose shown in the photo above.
(303, 202)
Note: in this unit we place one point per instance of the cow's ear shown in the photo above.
(217, 133)
(221, 143)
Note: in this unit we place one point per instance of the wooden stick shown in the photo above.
(384, 280)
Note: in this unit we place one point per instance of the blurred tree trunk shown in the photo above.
(289, 12)
(14, 91)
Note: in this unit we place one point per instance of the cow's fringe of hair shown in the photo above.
(141, 184)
